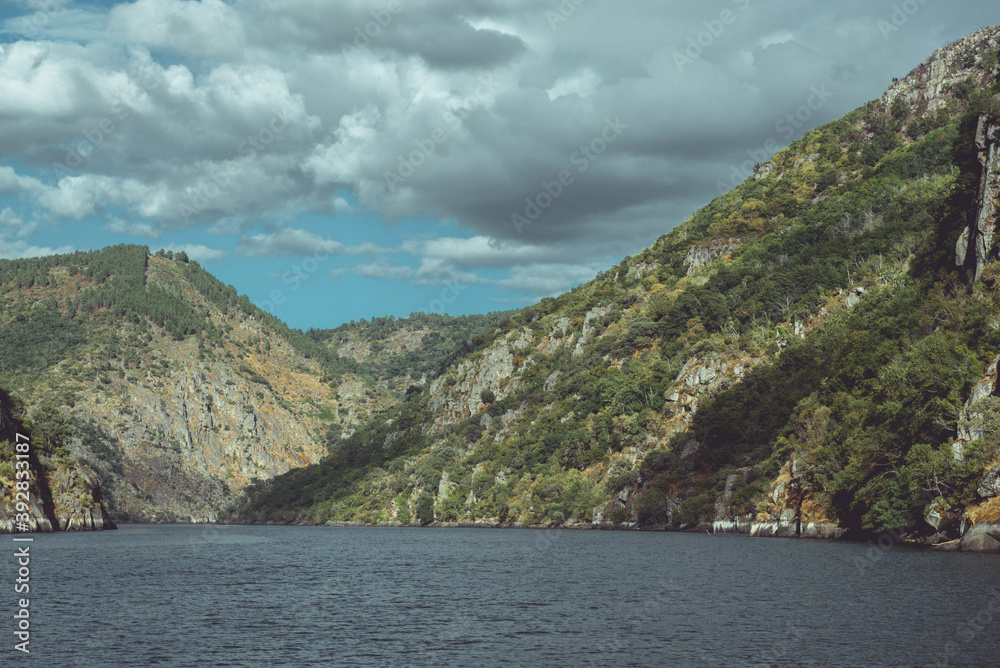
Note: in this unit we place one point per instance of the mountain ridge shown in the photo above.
(659, 393)
(801, 357)
(178, 391)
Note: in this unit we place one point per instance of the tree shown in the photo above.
(488, 396)
(50, 429)
(425, 508)
(181, 256)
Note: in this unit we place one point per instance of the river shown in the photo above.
(149, 595)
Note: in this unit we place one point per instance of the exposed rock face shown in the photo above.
(63, 496)
(641, 269)
(970, 423)
(491, 371)
(929, 85)
(854, 298)
(705, 254)
(188, 444)
(725, 519)
(90, 519)
(990, 486)
(976, 242)
(590, 327)
(793, 511)
(37, 521)
(945, 522)
(176, 426)
(396, 344)
(457, 395)
(700, 378)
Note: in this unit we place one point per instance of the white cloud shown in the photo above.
(206, 28)
(478, 251)
(548, 279)
(584, 83)
(203, 81)
(532, 269)
(43, 5)
(382, 269)
(341, 160)
(132, 228)
(287, 241)
(13, 250)
(11, 222)
(10, 182)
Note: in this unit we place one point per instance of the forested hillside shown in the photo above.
(177, 390)
(406, 351)
(811, 353)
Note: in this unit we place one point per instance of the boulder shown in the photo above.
(983, 537)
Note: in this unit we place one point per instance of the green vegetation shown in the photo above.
(869, 398)
(48, 432)
(35, 338)
(434, 341)
(116, 291)
(814, 311)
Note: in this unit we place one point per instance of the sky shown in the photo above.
(343, 159)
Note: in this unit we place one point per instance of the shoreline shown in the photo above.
(970, 542)
(979, 539)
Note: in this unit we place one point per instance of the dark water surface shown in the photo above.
(322, 596)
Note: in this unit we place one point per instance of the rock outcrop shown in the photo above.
(705, 254)
(929, 86)
(458, 395)
(187, 444)
(990, 486)
(970, 422)
(975, 245)
(701, 378)
(63, 495)
(176, 424)
(792, 509)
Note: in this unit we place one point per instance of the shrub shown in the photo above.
(403, 509)
(652, 508)
(660, 460)
(425, 508)
(695, 509)
(619, 482)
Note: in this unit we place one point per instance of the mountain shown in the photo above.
(812, 354)
(176, 392)
(401, 354)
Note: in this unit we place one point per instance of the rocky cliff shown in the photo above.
(932, 85)
(792, 360)
(62, 494)
(174, 423)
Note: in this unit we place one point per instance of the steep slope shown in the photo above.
(178, 392)
(798, 357)
(400, 354)
(41, 487)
